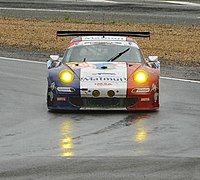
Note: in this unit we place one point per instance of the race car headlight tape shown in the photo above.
(66, 76)
(140, 77)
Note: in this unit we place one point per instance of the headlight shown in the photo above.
(140, 77)
(66, 76)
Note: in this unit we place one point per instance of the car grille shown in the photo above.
(103, 102)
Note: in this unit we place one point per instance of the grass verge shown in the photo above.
(173, 44)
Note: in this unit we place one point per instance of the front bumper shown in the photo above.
(102, 103)
(84, 103)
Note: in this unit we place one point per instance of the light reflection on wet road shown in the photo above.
(81, 145)
(66, 141)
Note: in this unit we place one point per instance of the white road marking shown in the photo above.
(102, 1)
(42, 10)
(22, 60)
(38, 62)
(182, 3)
(183, 80)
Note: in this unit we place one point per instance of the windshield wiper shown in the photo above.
(118, 55)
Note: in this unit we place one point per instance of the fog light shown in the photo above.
(110, 93)
(95, 93)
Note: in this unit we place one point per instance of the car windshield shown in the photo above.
(103, 52)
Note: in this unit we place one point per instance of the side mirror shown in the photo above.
(153, 58)
(54, 57)
(154, 62)
(54, 61)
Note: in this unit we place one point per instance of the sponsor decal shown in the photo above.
(103, 84)
(108, 38)
(66, 89)
(50, 94)
(61, 98)
(156, 95)
(154, 87)
(99, 74)
(103, 79)
(49, 64)
(140, 90)
(80, 65)
(124, 63)
(107, 65)
(155, 65)
(145, 99)
(52, 86)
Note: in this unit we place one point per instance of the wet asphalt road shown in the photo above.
(38, 144)
(153, 11)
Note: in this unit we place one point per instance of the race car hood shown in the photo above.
(104, 76)
(104, 71)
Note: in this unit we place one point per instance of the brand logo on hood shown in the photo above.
(120, 79)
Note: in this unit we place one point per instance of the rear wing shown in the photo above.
(103, 33)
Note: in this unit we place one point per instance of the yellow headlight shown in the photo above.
(140, 77)
(66, 76)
